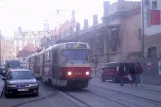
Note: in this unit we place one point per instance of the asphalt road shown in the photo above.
(98, 94)
(48, 98)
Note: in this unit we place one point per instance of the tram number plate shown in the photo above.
(78, 73)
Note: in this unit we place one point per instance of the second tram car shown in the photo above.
(64, 64)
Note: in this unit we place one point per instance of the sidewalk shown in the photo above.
(1, 85)
(149, 87)
(151, 92)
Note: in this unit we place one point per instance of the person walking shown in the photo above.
(139, 71)
(121, 71)
(132, 70)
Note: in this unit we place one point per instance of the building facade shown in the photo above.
(25, 52)
(7, 50)
(152, 26)
(118, 38)
(24, 38)
(152, 42)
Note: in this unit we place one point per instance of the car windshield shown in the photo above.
(75, 55)
(21, 75)
(14, 64)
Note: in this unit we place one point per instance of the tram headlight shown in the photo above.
(87, 72)
(69, 73)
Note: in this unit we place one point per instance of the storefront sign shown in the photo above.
(155, 17)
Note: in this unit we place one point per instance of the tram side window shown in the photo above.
(32, 61)
(50, 55)
(45, 56)
(41, 59)
(38, 60)
(55, 57)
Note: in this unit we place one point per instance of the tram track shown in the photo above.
(74, 97)
(113, 99)
(158, 103)
(35, 100)
(155, 92)
(76, 100)
(141, 89)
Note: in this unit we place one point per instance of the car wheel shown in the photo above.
(102, 78)
(113, 79)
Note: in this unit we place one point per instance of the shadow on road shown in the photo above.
(20, 96)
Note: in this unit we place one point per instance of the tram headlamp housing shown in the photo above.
(87, 72)
(69, 73)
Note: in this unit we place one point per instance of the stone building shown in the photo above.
(152, 43)
(25, 52)
(7, 50)
(118, 38)
(21, 39)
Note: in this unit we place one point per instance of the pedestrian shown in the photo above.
(132, 70)
(121, 71)
(139, 71)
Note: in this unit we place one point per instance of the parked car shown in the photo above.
(20, 82)
(12, 64)
(110, 72)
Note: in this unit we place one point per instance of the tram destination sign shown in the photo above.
(76, 45)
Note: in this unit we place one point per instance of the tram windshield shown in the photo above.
(75, 55)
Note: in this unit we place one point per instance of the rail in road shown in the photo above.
(97, 96)
(93, 95)
(75, 100)
(118, 95)
(119, 98)
(35, 100)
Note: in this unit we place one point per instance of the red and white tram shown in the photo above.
(65, 64)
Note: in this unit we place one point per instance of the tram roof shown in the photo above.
(61, 45)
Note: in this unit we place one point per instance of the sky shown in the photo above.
(30, 14)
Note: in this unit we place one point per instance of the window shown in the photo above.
(152, 52)
(75, 54)
(154, 4)
(50, 55)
